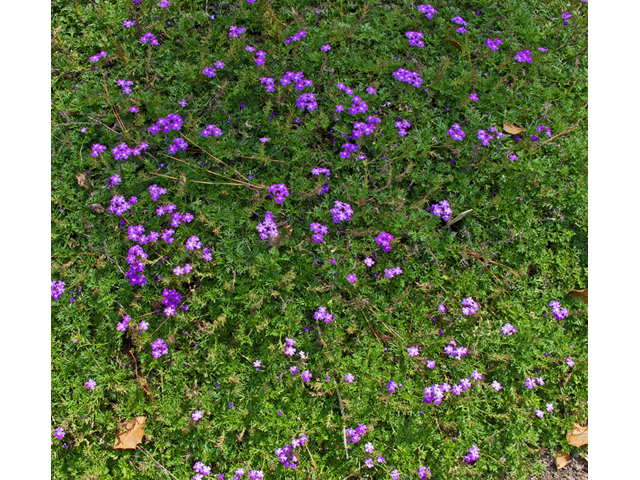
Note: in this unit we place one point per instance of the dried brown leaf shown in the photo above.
(130, 433)
(512, 129)
(82, 180)
(455, 44)
(562, 458)
(579, 435)
(96, 208)
(580, 294)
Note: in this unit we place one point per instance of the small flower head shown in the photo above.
(59, 433)
(91, 384)
(197, 415)
(325, 48)
(349, 378)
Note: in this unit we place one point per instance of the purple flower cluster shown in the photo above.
(178, 144)
(285, 454)
(341, 212)
(278, 192)
(352, 278)
(136, 266)
(206, 254)
(454, 351)
(469, 306)
(306, 375)
(164, 209)
(289, 350)
(369, 262)
(124, 324)
(126, 85)
(128, 24)
(193, 243)
(441, 209)
(384, 240)
(344, 88)
(358, 106)
(473, 455)
(171, 299)
(431, 364)
(268, 84)
(484, 137)
(156, 191)
(356, 434)
(493, 44)
(308, 101)
(197, 415)
(119, 205)
(325, 48)
(323, 314)
(456, 132)
(239, 473)
(167, 236)
(123, 151)
(392, 272)
(349, 378)
(348, 149)
(367, 128)
(558, 311)
(159, 348)
(301, 34)
(57, 289)
(415, 39)
(319, 230)
(164, 3)
(324, 189)
(402, 126)
(98, 56)
(183, 270)
(392, 386)
(408, 76)
(296, 78)
(423, 472)
(211, 130)
(97, 149)
(524, 56)
(209, 72)
(542, 128)
(91, 384)
(459, 20)
(508, 329)
(202, 471)
(428, 10)
(173, 121)
(267, 228)
(236, 31)
(320, 171)
(261, 55)
(149, 37)
(413, 351)
(59, 433)
(256, 475)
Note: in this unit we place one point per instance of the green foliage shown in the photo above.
(524, 244)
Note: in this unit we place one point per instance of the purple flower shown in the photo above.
(542, 49)
(159, 348)
(412, 78)
(236, 31)
(97, 149)
(268, 227)
(209, 72)
(319, 171)
(513, 158)
(530, 383)
(278, 192)
(413, 351)
(306, 376)
(197, 415)
(308, 101)
(264, 139)
(423, 472)
(391, 386)
(496, 385)
(431, 364)
(211, 130)
(570, 362)
(296, 37)
(473, 455)
(182, 103)
(325, 48)
(566, 16)
(476, 375)
(128, 23)
(57, 289)
(415, 39)
(369, 262)
(558, 311)
(349, 378)
(474, 97)
(371, 90)
(523, 57)
(540, 381)
(508, 329)
(539, 413)
(428, 10)
(149, 37)
(269, 85)
(193, 243)
(456, 132)
(380, 459)
(369, 447)
(164, 3)
(469, 306)
(143, 326)
(91, 384)
(493, 44)
(395, 474)
(352, 278)
(549, 407)
(341, 212)
(59, 433)
(384, 240)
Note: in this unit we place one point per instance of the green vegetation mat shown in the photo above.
(303, 243)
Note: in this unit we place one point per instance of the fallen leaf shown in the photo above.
(512, 129)
(130, 433)
(579, 436)
(96, 208)
(562, 458)
(82, 180)
(455, 44)
(580, 295)
(458, 218)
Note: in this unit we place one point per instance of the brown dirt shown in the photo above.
(576, 469)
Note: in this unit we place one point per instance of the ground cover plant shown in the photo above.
(317, 240)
